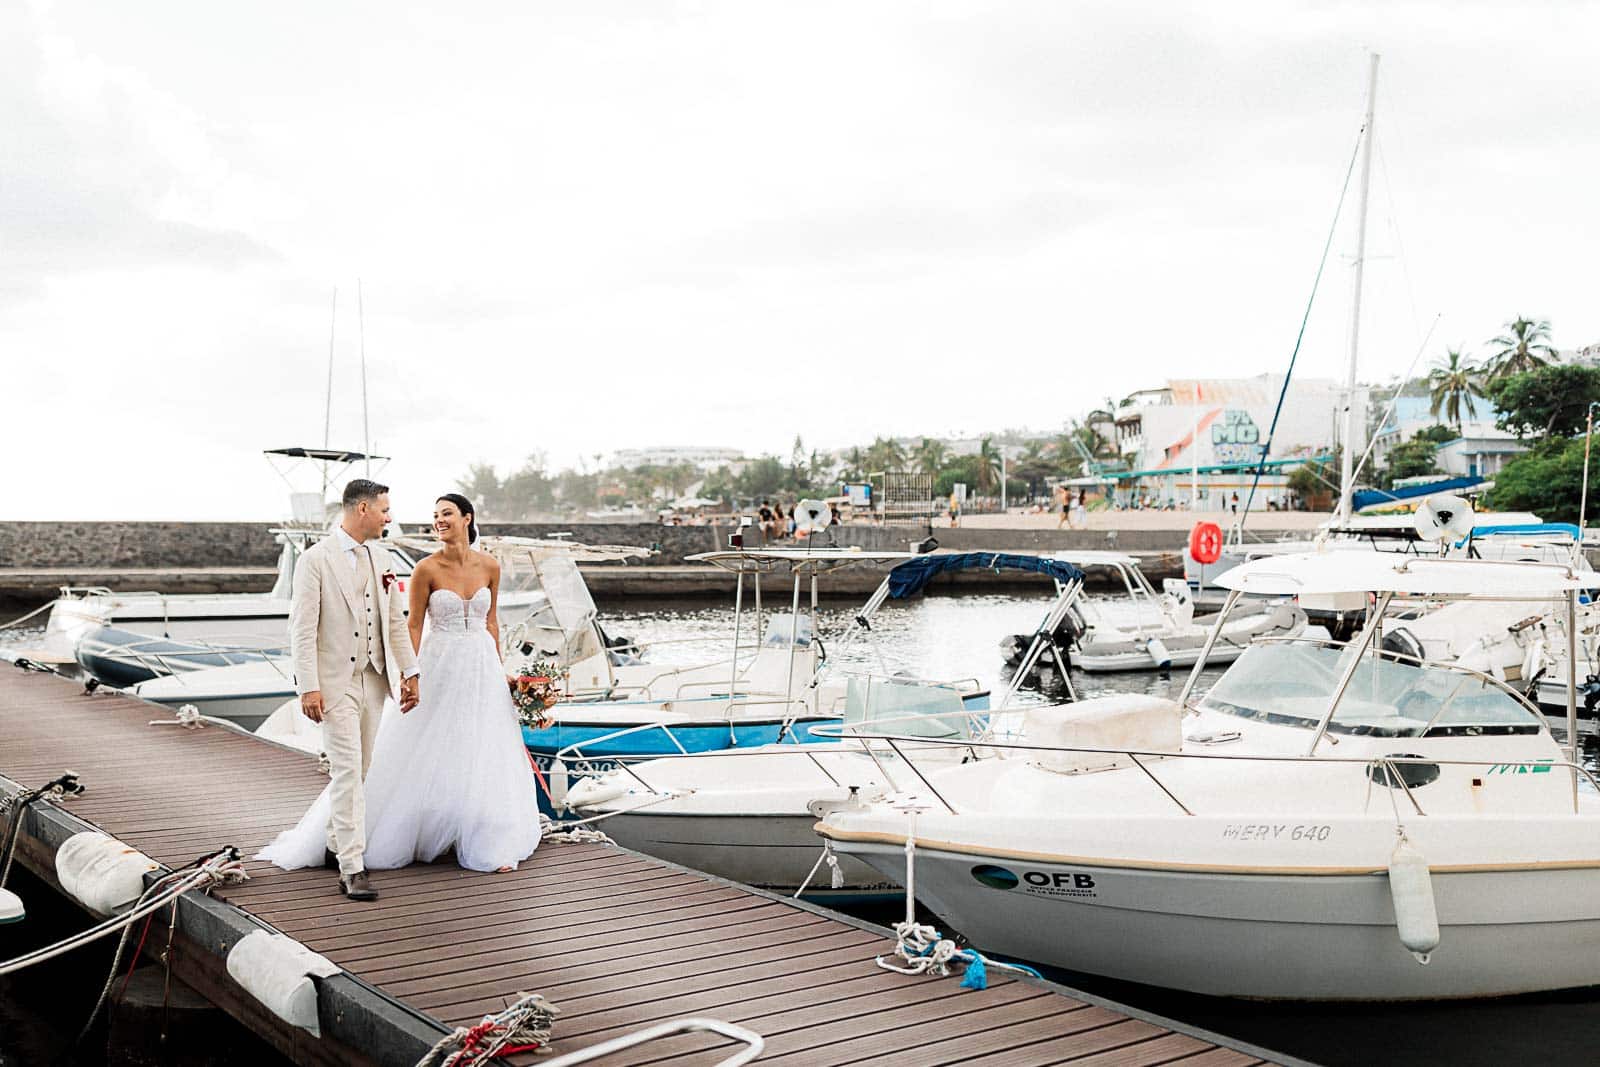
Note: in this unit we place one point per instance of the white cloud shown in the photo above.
(585, 228)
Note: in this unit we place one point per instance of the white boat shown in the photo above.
(746, 814)
(545, 608)
(1147, 630)
(1330, 821)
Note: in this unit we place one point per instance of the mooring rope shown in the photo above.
(521, 1027)
(563, 834)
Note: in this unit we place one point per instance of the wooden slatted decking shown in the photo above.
(616, 940)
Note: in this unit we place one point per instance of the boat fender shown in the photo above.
(278, 971)
(1157, 651)
(558, 785)
(594, 790)
(100, 872)
(1533, 660)
(1411, 887)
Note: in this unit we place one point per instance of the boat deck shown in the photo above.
(616, 940)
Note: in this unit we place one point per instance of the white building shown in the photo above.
(1220, 426)
(1480, 452)
(705, 459)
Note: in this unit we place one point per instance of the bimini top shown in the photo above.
(1096, 558)
(1351, 571)
(325, 455)
(913, 575)
(813, 561)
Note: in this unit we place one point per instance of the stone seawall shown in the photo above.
(175, 545)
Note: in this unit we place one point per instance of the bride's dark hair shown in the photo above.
(464, 506)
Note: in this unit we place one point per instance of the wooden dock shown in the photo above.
(618, 941)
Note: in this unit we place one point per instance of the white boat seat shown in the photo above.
(1123, 721)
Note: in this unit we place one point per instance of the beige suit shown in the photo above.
(350, 642)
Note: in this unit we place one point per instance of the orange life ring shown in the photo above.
(1205, 542)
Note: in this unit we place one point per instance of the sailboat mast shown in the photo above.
(361, 328)
(1346, 465)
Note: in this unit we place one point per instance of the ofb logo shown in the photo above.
(1038, 883)
(995, 877)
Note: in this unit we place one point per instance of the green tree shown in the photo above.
(1454, 385)
(930, 456)
(481, 485)
(1550, 400)
(885, 454)
(1317, 479)
(528, 491)
(986, 467)
(961, 469)
(1525, 346)
(1547, 480)
(1438, 435)
(1410, 459)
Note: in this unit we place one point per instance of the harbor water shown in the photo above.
(937, 637)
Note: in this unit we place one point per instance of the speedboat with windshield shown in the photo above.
(1329, 821)
(1146, 630)
(546, 614)
(746, 813)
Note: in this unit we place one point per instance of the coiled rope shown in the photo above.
(569, 833)
(522, 1027)
(921, 949)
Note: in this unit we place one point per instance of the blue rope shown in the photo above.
(1304, 319)
(976, 975)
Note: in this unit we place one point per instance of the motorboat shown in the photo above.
(775, 684)
(546, 610)
(1146, 630)
(1329, 821)
(746, 813)
(121, 659)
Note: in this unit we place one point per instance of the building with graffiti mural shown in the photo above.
(1197, 442)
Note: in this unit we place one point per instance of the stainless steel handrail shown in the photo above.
(754, 1042)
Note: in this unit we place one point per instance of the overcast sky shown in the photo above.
(586, 226)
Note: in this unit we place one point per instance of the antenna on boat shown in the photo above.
(361, 328)
(327, 415)
(1347, 459)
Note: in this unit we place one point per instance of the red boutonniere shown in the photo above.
(388, 580)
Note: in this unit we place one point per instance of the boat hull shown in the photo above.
(1269, 935)
(775, 852)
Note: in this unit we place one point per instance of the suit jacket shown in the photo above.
(322, 619)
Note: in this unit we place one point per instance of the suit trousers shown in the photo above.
(349, 728)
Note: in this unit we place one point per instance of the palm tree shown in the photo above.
(930, 457)
(885, 454)
(986, 466)
(1453, 385)
(1523, 347)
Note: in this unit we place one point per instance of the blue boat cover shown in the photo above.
(1535, 529)
(1362, 499)
(910, 577)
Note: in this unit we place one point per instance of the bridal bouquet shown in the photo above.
(534, 689)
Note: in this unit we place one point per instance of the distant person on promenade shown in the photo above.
(1235, 502)
(1064, 498)
(779, 529)
(1080, 511)
(955, 511)
(833, 514)
(764, 516)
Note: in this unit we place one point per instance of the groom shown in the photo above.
(351, 648)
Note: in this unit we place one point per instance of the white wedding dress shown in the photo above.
(450, 773)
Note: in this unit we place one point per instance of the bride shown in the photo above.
(452, 772)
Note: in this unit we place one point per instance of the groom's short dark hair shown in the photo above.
(360, 489)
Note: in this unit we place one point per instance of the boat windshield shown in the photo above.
(1291, 683)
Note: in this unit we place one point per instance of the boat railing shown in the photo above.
(1382, 770)
(181, 661)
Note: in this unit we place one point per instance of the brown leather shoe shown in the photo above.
(357, 886)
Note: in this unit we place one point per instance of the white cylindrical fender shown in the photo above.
(1157, 651)
(1411, 887)
(1533, 660)
(558, 785)
(100, 872)
(595, 789)
(277, 971)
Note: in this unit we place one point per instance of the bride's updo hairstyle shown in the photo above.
(464, 506)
